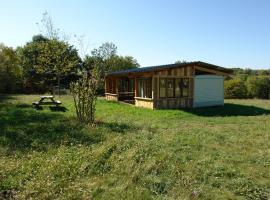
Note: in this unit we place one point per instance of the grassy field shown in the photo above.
(134, 153)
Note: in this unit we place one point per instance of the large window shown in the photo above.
(144, 88)
(110, 85)
(170, 87)
(185, 85)
(162, 87)
(173, 87)
(177, 87)
(126, 85)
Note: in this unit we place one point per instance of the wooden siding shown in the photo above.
(183, 102)
(111, 97)
(210, 71)
(187, 71)
(144, 103)
(180, 102)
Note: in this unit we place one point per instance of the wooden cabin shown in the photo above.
(192, 84)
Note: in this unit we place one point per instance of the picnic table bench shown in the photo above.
(51, 102)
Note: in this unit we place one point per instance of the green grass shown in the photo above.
(134, 153)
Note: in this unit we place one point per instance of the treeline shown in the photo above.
(45, 62)
(248, 83)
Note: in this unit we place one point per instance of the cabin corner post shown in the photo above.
(191, 91)
(153, 88)
(106, 85)
(117, 88)
(153, 92)
(135, 87)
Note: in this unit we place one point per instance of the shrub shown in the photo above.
(258, 86)
(235, 89)
(84, 96)
(10, 71)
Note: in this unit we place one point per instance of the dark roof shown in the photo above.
(170, 66)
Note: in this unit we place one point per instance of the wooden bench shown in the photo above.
(51, 102)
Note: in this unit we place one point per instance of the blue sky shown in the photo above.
(230, 33)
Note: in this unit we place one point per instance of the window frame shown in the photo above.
(165, 88)
(181, 88)
(173, 87)
(147, 88)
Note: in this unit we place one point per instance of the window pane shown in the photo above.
(178, 87)
(185, 87)
(145, 88)
(149, 88)
(170, 87)
(114, 86)
(121, 85)
(131, 85)
(140, 88)
(162, 87)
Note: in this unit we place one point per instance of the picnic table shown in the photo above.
(51, 102)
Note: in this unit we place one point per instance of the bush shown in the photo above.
(235, 89)
(84, 96)
(10, 71)
(258, 86)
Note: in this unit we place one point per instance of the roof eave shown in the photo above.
(162, 67)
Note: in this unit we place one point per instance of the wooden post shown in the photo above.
(116, 85)
(158, 87)
(106, 79)
(135, 86)
(153, 87)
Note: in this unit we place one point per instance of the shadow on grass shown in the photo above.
(58, 108)
(5, 97)
(117, 127)
(52, 108)
(229, 109)
(23, 105)
(23, 129)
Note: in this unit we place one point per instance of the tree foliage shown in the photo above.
(104, 59)
(105, 51)
(116, 63)
(256, 82)
(84, 95)
(235, 89)
(251, 72)
(10, 70)
(46, 60)
(107, 59)
(258, 86)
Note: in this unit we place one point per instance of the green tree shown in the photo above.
(10, 71)
(259, 86)
(235, 89)
(47, 61)
(116, 63)
(104, 59)
(105, 51)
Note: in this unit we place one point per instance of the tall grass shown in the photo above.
(134, 153)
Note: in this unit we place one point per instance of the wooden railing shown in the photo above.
(122, 96)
